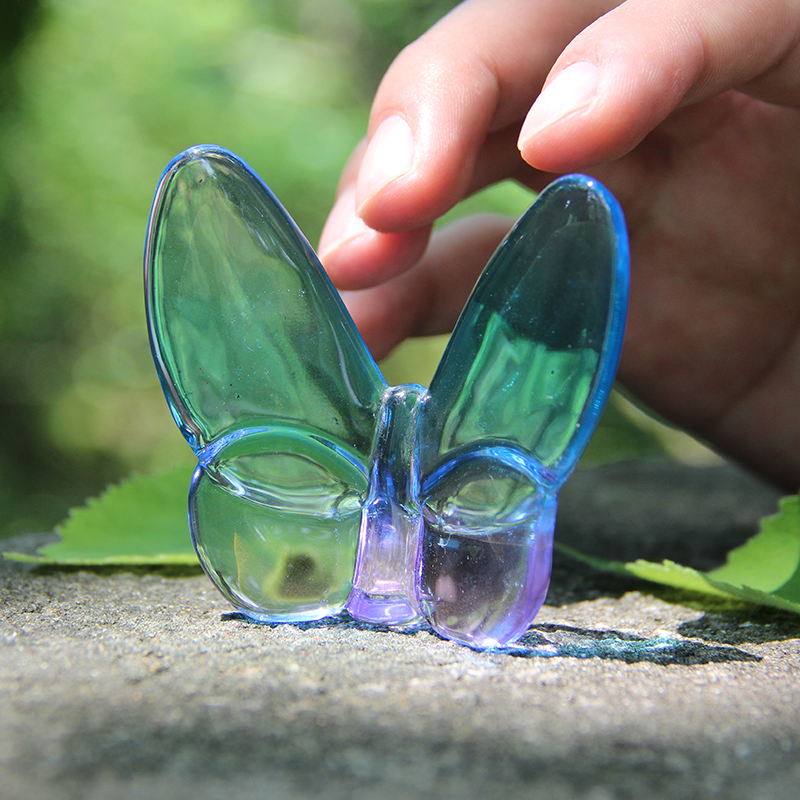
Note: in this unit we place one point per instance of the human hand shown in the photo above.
(686, 110)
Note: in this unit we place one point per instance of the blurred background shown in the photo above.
(96, 96)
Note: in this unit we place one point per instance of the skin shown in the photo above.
(688, 111)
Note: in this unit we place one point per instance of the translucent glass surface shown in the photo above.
(318, 487)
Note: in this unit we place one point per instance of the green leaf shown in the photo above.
(769, 561)
(765, 570)
(141, 521)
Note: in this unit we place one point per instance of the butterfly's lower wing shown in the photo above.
(268, 380)
(512, 406)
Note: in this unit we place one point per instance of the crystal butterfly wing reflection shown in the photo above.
(318, 487)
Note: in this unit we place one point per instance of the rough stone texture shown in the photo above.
(118, 685)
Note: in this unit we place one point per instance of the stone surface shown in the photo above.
(120, 685)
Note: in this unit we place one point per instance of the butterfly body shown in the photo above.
(319, 488)
(389, 541)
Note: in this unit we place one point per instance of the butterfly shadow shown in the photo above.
(549, 640)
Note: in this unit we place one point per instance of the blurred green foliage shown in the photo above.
(96, 96)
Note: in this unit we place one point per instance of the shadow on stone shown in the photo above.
(551, 641)
(565, 641)
(342, 621)
(756, 628)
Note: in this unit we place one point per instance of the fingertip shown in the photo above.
(374, 258)
(614, 83)
(590, 114)
(404, 184)
(342, 225)
(389, 156)
(583, 116)
(345, 243)
(572, 89)
(356, 257)
(346, 260)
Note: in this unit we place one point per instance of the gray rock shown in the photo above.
(119, 685)
(659, 509)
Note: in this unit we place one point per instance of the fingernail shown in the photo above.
(572, 89)
(343, 225)
(389, 155)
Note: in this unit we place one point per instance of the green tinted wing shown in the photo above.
(533, 356)
(244, 324)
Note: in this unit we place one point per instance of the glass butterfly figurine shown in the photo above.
(321, 489)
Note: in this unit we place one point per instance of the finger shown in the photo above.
(474, 74)
(427, 299)
(356, 256)
(626, 72)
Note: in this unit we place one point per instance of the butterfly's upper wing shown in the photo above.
(269, 381)
(518, 393)
(244, 323)
(534, 354)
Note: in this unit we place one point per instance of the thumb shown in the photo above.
(626, 72)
